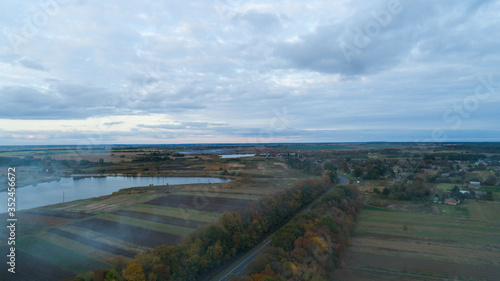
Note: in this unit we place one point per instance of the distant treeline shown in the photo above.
(16, 161)
(491, 147)
(151, 159)
(310, 247)
(47, 161)
(202, 252)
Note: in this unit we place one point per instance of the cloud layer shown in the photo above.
(249, 71)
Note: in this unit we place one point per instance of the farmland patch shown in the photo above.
(138, 235)
(159, 218)
(173, 229)
(58, 255)
(92, 243)
(186, 214)
(204, 203)
(29, 267)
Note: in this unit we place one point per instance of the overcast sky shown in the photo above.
(102, 72)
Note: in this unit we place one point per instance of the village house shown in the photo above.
(480, 194)
(474, 184)
(452, 201)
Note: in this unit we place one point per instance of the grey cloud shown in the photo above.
(183, 126)
(258, 21)
(364, 45)
(66, 102)
(32, 64)
(112, 123)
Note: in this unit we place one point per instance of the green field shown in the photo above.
(178, 230)
(70, 259)
(416, 246)
(223, 195)
(446, 186)
(195, 215)
(74, 246)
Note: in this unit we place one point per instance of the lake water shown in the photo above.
(48, 193)
(205, 151)
(236, 155)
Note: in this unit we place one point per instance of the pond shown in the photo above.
(236, 155)
(48, 193)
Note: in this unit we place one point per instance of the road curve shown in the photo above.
(343, 180)
(239, 269)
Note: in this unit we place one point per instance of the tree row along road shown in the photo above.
(239, 268)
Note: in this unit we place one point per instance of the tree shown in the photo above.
(489, 195)
(119, 262)
(283, 240)
(491, 180)
(386, 191)
(345, 167)
(134, 272)
(330, 166)
(329, 222)
(113, 275)
(358, 171)
(149, 261)
(169, 256)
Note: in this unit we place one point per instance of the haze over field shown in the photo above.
(248, 71)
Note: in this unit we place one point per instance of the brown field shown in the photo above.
(216, 167)
(201, 203)
(134, 234)
(58, 214)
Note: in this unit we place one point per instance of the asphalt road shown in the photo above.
(239, 269)
(343, 180)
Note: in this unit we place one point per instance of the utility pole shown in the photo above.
(63, 196)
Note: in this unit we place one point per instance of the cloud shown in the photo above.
(182, 126)
(61, 102)
(32, 64)
(202, 70)
(384, 36)
(258, 21)
(112, 123)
